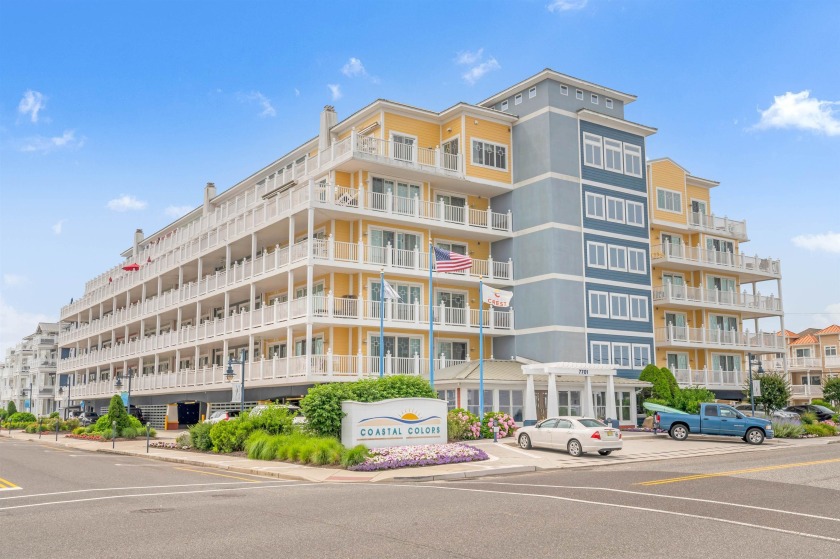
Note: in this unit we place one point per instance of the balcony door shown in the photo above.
(399, 310)
(404, 195)
(403, 147)
(452, 351)
(726, 368)
(725, 289)
(672, 244)
(450, 154)
(402, 350)
(400, 244)
(454, 303)
(676, 326)
(453, 209)
(721, 251)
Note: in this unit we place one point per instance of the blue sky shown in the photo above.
(113, 115)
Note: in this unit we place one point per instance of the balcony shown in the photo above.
(710, 378)
(748, 305)
(748, 268)
(794, 364)
(682, 336)
(832, 362)
(720, 226)
(800, 391)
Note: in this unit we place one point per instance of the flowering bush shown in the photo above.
(462, 425)
(166, 445)
(86, 437)
(505, 422)
(419, 455)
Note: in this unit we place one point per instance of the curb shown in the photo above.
(468, 475)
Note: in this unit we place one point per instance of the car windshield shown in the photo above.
(590, 423)
(824, 409)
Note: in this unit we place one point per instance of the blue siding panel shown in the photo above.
(611, 177)
(613, 275)
(610, 226)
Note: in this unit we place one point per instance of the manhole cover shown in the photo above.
(152, 511)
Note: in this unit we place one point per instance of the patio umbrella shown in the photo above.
(131, 267)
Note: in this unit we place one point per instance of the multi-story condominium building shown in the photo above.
(28, 377)
(811, 357)
(542, 185)
(709, 308)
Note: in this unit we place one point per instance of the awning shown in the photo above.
(728, 394)
(131, 267)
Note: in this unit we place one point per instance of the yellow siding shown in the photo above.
(698, 193)
(427, 133)
(339, 343)
(342, 178)
(492, 132)
(341, 286)
(455, 125)
(342, 231)
(665, 174)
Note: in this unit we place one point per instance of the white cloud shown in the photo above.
(125, 203)
(353, 68)
(566, 5)
(476, 72)
(59, 226)
(42, 144)
(297, 92)
(261, 100)
(177, 211)
(467, 57)
(15, 324)
(800, 110)
(32, 103)
(824, 242)
(13, 279)
(335, 89)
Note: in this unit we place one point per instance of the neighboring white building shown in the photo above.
(28, 376)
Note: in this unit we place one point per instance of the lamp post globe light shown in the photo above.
(752, 360)
(229, 377)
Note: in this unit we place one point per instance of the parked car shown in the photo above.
(714, 419)
(576, 435)
(88, 418)
(221, 415)
(821, 412)
(294, 410)
(775, 416)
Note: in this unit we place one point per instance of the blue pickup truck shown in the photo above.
(714, 419)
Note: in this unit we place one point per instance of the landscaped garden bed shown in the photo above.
(419, 455)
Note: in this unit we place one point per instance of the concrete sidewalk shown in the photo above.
(505, 457)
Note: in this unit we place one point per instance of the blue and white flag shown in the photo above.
(390, 292)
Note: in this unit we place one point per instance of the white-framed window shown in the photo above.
(596, 255)
(615, 209)
(592, 150)
(632, 160)
(831, 351)
(488, 154)
(517, 99)
(635, 213)
(505, 105)
(669, 200)
(639, 308)
(594, 99)
(403, 146)
(594, 205)
(511, 402)
(473, 402)
(621, 355)
(612, 155)
(618, 258)
(641, 356)
(449, 397)
(637, 262)
(619, 306)
(564, 89)
(532, 92)
(600, 353)
(608, 103)
(579, 95)
(598, 304)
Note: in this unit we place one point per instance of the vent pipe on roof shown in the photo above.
(328, 120)
(138, 238)
(209, 194)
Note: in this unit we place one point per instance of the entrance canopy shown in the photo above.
(582, 372)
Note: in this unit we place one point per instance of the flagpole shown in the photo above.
(381, 322)
(480, 348)
(431, 319)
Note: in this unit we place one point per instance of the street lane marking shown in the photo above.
(129, 489)
(737, 472)
(6, 485)
(220, 475)
(630, 507)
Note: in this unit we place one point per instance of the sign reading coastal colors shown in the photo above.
(396, 422)
(496, 297)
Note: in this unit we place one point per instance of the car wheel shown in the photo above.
(574, 447)
(679, 432)
(604, 452)
(524, 441)
(754, 436)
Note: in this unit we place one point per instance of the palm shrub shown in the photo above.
(783, 429)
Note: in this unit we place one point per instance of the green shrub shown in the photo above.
(21, 417)
(354, 456)
(106, 435)
(11, 409)
(820, 429)
(3, 414)
(90, 429)
(273, 419)
(78, 430)
(200, 436)
(808, 418)
(831, 391)
(230, 436)
(787, 429)
(54, 415)
(118, 413)
(68, 425)
(129, 433)
(665, 385)
(183, 440)
(31, 428)
(689, 399)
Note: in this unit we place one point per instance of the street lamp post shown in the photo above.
(119, 384)
(61, 391)
(759, 371)
(229, 376)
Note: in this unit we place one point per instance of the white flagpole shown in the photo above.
(431, 319)
(381, 322)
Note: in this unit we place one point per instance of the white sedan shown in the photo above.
(574, 434)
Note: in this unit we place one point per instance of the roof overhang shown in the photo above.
(617, 123)
(701, 182)
(548, 73)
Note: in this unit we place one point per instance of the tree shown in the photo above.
(117, 412)
(831, 390)
(665, 387)
(11, 409)
(775, 392)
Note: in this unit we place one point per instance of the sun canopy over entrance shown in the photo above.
(567, 371)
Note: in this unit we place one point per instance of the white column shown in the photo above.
(530, 417)
(553, 399)
(611, 410)
(588, 405)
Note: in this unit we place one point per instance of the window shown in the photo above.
(641, 356)
(403, 147)
(621, 355)
(456, 351)
(569, 402)
(517, 99)
(711, 411)
(600, 353)
(618, 306)
(635, 213)
(633, 160)
(504, 105)
(472, 401)
(638, 308)
(596, 255)
(564, 89)
(612, 155)
(489, 155)
(637, 261)
(598, 304)
(579, 95)
(592, 150)
(669, 200)
(831, 351)
(449, 397)
(594, 205)
(618, 258)
(608, 103)
(615, 209)
(532, 92)
(594, 99)
(510, 402)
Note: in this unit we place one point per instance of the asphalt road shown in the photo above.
(79, 504)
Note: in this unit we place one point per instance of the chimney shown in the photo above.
(209, 194)
(328, 120)
(138, 238)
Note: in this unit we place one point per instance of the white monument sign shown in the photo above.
(396, 422)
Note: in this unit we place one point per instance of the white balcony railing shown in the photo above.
(722, 226)
(772, 363)
(806, 390)
(672, 294)
(403, 155)
(703, 337)
(696, 256)
(709, 378)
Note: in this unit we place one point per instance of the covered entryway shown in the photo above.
(188, 413)
(569, 371)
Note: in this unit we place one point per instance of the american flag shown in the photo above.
(448, 261)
